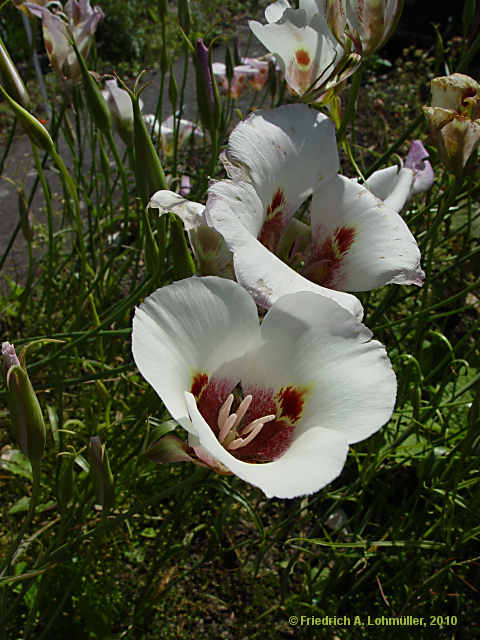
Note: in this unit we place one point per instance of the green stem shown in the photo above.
(71, 189)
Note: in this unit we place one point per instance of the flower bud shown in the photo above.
(95, 101)
(64, 488)
(103, 478)
(25, 216)
(11, 78)
(149, 172)
(207, 92)
(120, 106)
(33, 128)
(25, 412)
(454, 119)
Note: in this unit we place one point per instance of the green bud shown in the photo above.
(33, 128)
(25, 412)
(184, 16)
(95, 101)
(25, 216)
(64, 487)
(208, 98)
(149, 173)
(103, 478)
(182, 258)
(12, 78)
(162, 9)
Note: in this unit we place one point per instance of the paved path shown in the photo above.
(20, 167)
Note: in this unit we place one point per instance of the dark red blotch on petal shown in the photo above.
(326, 260)
(291, 401)
(302, 57)
(344, 237)
(199, 382)
(274, 221)
(276, 436)
(271, 443)
(210, 394)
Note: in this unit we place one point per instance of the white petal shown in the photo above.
(392, 185)
(354, 386)
(191, 213)
(240, 201)
(383, 250)
(257, 269)
(313, 460)
(303, 52)
(292, 148)
(194, 325)
(275, 10)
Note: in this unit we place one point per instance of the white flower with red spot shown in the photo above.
(76, 17)
(312, 60)
(354, 241)
(276, 404)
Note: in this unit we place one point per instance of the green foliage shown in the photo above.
(186, 553)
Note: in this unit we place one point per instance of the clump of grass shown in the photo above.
(186, 553)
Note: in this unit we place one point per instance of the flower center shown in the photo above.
(230, 434)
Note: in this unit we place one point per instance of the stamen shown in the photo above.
(253, 429)
(242, 409)
(228, 424)
(250, 427)
(227, 427)
(224, 411)
(241, 442)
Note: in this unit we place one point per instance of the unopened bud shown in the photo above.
(96, 104)
(11, 78)
(454, 119)
(25, 412)
(33, 128)
(207, 90)
(25, 215)
(103, 478)
(65, 481)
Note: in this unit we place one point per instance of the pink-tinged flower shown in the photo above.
(355, 242)
(312, 59)
(241, 75)
(395, 186)
(276, 404)
(454, 119)
(368, 23)
(166, 129)
(253, 72)
(259, 79)
(58, 22)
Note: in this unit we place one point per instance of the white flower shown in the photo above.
(454, 120)
(368, 23)
(121, 108)
(211, 253)
(276, 404)
(76, 17)
(395, 186)
(312, 59)
(275, 160)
